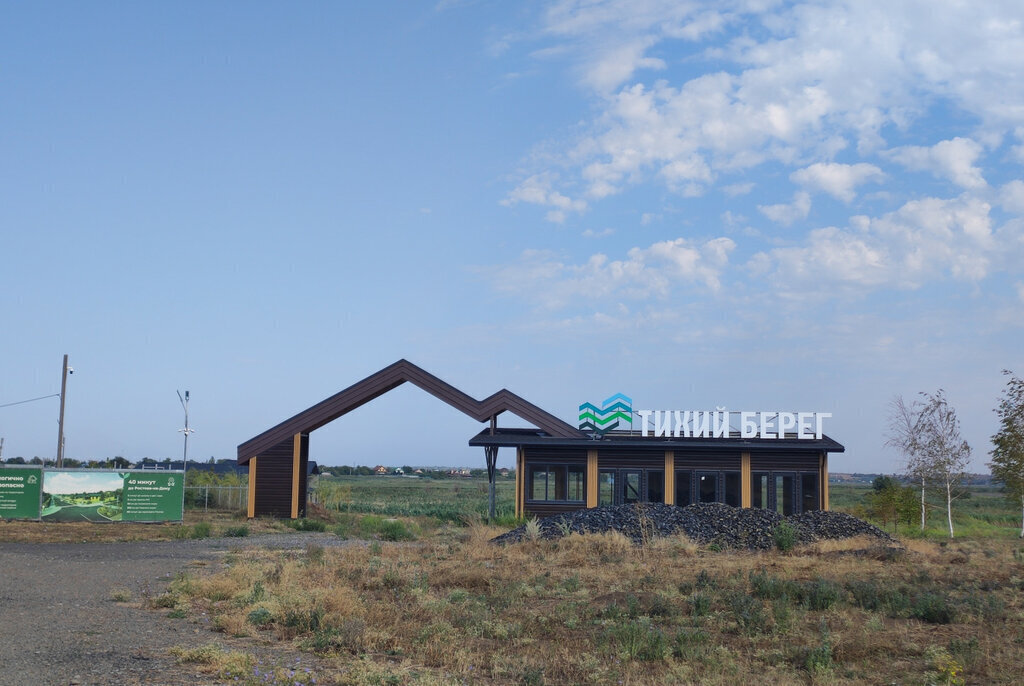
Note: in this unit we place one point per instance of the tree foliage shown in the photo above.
(890, 501)
(1007, 452)
(927, 432)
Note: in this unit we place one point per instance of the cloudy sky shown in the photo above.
(754, 205)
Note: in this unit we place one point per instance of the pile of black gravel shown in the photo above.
(704, 523)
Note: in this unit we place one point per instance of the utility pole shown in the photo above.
(186, 430)
(65, 370)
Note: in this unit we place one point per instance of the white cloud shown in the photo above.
(537, 190)
(924, 240)
(838, 180)
(793, 85)
(651, 272)
(787, 213)
(953, 160)
(1011, 197)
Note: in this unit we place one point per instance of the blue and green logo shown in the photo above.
(601, 420)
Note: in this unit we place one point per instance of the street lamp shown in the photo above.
(186, 430)
(65, 370)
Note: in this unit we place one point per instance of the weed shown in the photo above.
(237, 531)
(705, 580)
(306, 524)
(637, 640)
(866, 594)
(768, 587)
(261, 616)
(819, 658)
(314, 554)
(748, 613)
(375, 548)
(397, 530)
(700, 604)
(200, 530)
(532, 529)
(946, 668)
(178, 613)
(784, 536)
(690, 644)
(932, 608)
(820, 594)
(120, 595)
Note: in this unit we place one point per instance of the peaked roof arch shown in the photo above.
(389, 378)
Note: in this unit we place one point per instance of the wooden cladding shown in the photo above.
(277, 487)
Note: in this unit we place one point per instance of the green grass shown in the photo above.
(983, 513)
(449, 500)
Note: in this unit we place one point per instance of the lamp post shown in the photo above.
(65, 370)
(186, 430)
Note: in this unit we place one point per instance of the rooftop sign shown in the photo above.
(715, 424)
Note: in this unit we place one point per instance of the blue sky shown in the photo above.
(754, 205)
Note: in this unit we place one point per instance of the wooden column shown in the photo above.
(296, 473)
(670, 477)
(823, 472)
(745, 480)
(251, 505)
(520, 482)
(592, 477)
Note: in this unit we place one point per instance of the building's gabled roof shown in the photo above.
(389, 378)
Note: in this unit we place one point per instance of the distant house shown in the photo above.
(380, 469)
(418, 471)
(503, 472)
(398, 471)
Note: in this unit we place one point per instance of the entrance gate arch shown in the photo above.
(277, 457)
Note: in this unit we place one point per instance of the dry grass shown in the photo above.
(595, 610)
(117, 532)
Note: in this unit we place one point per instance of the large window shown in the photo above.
(809, 492)
(759, 490)
(684, 480)
(707, 487)
(556, 482)
(785, 485)
(606, 487)
(732, 489)
(655, 486)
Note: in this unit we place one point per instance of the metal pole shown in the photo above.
(184, 456)
(60, 422)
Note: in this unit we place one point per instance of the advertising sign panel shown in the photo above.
(20, 488)
(73, 495)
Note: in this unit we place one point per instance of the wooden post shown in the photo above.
(592, 475)
(296, 466)
(251, 505)
(670, 477)
(745, 481)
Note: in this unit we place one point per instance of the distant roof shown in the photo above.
(391, 377)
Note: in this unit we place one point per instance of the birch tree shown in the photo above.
(905, 436)
(927, 432)
(944, 452)
(1007, 452)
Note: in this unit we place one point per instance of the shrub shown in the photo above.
(932, 608)
(638, 640)
(200, 530)
(700, 604)
(690, 644)
(237, 531)
(396, 530)
(784, 536)
(306, 524)
(819, 658)
(820, 594)
(749, 613)
(763, 585)
(866, 594)
(261, 616)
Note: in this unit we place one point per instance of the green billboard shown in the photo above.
(79, 495)
(20, 489)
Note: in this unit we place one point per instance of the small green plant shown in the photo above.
(120, 595)
(820, 594)
(237, 531)
(946, 669)
(700, 604)
(749, 613)
(261, 616)
(690, 644)
(932, 608)
(200, 530)
(819, 658)
(638, 640)
(784, 536)
(306, 524)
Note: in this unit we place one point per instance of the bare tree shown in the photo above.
(928, 434)
(1007, 452)
(905, 436)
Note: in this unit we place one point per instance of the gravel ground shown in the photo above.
(58, 624)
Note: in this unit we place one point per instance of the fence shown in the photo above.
(232, 498)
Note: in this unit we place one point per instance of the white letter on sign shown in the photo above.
(803, 424)
(748, 425)
(787, 420)
(819, 420)
(765, 417)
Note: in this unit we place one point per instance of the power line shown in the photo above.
(32, 400)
